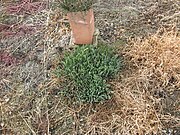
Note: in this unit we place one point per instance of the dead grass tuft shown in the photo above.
(157, 60)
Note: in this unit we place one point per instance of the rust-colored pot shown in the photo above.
(82, 25)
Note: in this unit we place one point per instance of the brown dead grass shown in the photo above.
(152, 65)
(157, 60)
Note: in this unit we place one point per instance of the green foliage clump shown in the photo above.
(89, 67)
(76, 5)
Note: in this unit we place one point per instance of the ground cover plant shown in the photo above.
(145, 94)
(89, 68)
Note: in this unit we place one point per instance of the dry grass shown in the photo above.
(153, 65)
(41, 112)
(136, 108)
(157, 60)
(29, 98)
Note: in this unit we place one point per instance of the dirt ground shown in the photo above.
(29, 99)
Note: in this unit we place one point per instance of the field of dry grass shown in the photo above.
(34, 34)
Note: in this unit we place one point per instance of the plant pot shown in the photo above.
(82, 25)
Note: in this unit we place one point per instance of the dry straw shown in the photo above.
(152, 65)
(157, 60)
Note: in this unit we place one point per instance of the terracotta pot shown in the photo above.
(82, 25)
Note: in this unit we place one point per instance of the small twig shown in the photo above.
(19, 45)
(170, 17)
(33, 132)
(48, 123)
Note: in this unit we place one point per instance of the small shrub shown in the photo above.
(76, 5)
(89, 67)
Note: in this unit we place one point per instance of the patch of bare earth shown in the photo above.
(122, 19)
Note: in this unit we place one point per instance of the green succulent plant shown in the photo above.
(89, 67)
(76, 5)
